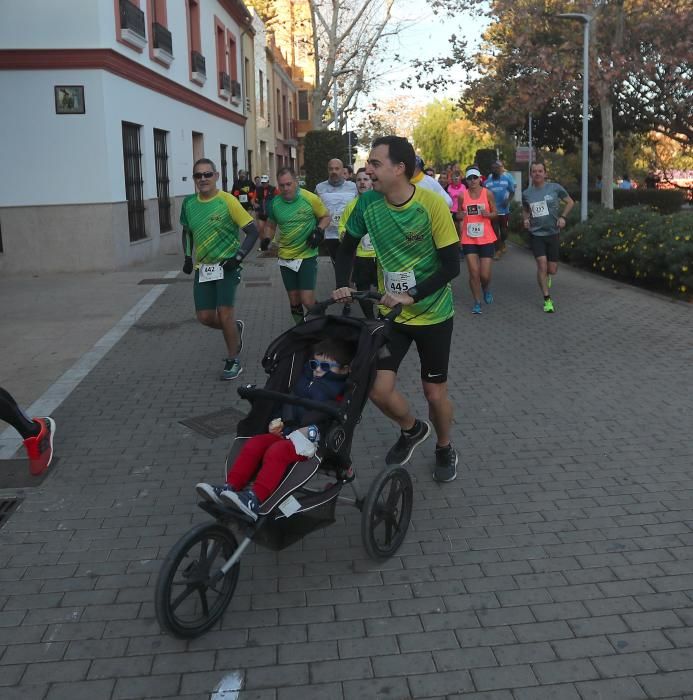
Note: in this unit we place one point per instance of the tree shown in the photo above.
(345, 40)
(394, 116)
(641, 67)
(443, 135)
(319, 146)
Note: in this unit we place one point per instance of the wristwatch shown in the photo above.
(412, 292)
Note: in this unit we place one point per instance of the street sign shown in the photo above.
(522, 154)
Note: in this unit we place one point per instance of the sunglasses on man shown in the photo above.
(206, 175)
(323, 365)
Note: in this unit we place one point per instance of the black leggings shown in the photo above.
(12, 414)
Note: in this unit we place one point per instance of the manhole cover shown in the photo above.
(7, 507)
(212, 425)
(15, 474)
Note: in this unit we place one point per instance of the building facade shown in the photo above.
(106, 117)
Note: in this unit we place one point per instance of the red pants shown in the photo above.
(275, 453)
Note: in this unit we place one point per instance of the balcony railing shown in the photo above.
(132, 18)
(225, 84)
(235, 90)
(162, 38)
(199, 70)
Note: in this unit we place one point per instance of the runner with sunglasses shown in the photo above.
(478, 238)
(212, 220)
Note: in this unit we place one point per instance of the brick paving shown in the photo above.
(558, 565)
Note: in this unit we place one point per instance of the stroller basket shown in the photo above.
(281, 532)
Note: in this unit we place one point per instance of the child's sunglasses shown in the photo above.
(323, 365)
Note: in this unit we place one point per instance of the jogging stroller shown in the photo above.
(198, 577)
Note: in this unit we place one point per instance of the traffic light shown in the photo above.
(351, 139)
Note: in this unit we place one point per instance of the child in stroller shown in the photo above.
(292, 436)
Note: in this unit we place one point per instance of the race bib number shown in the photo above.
(293, 265)
(475, 230)
(243, 198)
(366, 243)
(399, 282)
(335, 219)
(211, 273)
(539, 208)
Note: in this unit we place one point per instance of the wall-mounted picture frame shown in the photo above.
(69, 99)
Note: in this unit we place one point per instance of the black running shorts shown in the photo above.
(432, 344)
(545, 247)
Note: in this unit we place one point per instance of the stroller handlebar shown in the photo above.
(251, 392)
(320, 307)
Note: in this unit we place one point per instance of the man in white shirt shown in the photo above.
(335, 193)
(420, 179)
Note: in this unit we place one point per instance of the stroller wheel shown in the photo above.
(387, 512)
(191, 593)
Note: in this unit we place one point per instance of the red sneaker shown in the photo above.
(40, 448)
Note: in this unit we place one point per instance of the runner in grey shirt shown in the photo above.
(335, 193)
(541, 203)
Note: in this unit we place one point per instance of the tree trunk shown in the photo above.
(606, 109)
(316, 111)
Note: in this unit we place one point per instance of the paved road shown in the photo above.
(558, 565)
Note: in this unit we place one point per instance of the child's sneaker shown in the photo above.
(211, 492)
(246, 501)
(39, 448)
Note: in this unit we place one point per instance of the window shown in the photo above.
(224, 168)
(285, 121)
(234, 161)
(198, 71)
(222, 67)
(161, 46)
(132, 161)
(249, 164)
(130, 24)
(303, 113)
(233, 66)
(162, 181)
(279, 112)
(246, 80)
(269, 107)
(262, 94)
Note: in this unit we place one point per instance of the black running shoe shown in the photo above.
(401, 451)
(446, 464)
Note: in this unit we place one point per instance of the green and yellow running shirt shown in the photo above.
(406, 240)
(214, 224)
(365, 247)
(296, 220)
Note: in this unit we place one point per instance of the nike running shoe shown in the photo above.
(488, 297)
(476, 309)
(446, 464)
(401, 451)
(548, 306)
(240, 327)
(232, 369)
(39, 448)
(211, 492)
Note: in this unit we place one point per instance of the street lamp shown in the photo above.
(585, 19)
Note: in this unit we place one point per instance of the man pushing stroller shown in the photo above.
(292, 436)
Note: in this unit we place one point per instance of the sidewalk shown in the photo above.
(559, 564)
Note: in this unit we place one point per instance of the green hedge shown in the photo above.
(664, 201)
(637, 245)
(634, 244)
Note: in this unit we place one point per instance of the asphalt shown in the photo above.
(558, 565)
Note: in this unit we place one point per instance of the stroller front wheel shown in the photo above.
(387, 512)
(191, 592)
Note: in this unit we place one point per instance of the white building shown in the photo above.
(107, 104)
